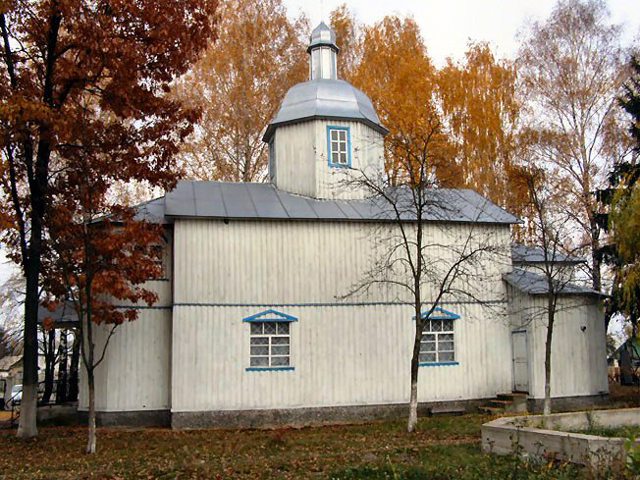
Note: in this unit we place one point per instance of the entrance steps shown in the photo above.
(506, 403)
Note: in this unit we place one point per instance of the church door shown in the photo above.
(520, 361)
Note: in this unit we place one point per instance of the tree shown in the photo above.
(238, 84)
(398, 76)
(349, 39)
(552, 230)
(570, 67)
(99, 256)
(481, 111)
(419, 254)
(122, 55)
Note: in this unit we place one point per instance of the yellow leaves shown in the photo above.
(239, 83)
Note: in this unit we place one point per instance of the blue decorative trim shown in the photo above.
(437, 364)
(348, 130)
(269, 369)
(279, 317)
(441, 314)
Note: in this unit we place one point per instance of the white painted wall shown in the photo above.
(301, 159)
(578, 358)
(343, 355)
(136, 372)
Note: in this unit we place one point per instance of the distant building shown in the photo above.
(253, 327)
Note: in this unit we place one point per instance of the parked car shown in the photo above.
(16, 395)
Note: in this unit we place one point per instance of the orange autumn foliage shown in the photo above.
(239, 84)
(399, 77)
(481, 110)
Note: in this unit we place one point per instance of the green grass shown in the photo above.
(443, 448)
(625, 432)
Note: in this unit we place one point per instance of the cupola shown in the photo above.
(324, 130)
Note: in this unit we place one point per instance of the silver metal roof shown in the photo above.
(261, 201)
(326, 99)
(322, 35)
(535, 284)
(523, 254)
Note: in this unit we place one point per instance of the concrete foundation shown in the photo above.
(564, 404)
(543, 437)
(299, 417)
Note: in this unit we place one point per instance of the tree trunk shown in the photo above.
(50, 353)
(63, 350)
(547, 360)
(91, 443)
(415, 358)
(73, 368)
(27, 426)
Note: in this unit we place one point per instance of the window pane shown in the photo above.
(280, 361)
(343, 158)
(334, 157)
(283, 328)
(259, 341)
(427, 347)
(259, 350)
(280, 340)
(447, 325)
(428, 337)
(446, 357)
(342, 135)
(256, 328)
(335, 146)
(259, 361)
(445, 346)
(427, 357)
(280, 350)
(436, 325)
(447, 337)
(269, 328)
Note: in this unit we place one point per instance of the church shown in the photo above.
(258, 322)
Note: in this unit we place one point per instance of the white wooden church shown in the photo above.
(253, 327)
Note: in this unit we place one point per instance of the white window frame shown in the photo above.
(339, 146)
(270, 341)
(438, 342)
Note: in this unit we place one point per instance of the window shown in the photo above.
(270, 344)
(339, 143)
(270, 341)
(437, 346)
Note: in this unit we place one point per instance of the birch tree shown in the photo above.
(238, 84)
(571, 72)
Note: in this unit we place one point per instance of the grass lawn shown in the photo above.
(444, 448)
(629, 431)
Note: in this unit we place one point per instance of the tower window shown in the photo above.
(339, 146)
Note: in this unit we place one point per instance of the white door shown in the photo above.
(520, 361)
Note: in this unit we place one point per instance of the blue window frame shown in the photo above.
(437, 345)
(339, 146)
(270, 341)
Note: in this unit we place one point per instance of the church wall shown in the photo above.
(346, 351)
(294, 152)
(135, 374)
(342, 355)
(578, 358)
(242, 262)
(367, 155)
(302, 162)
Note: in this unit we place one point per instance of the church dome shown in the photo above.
(326, 99)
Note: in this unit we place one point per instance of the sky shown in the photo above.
(448, 25)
